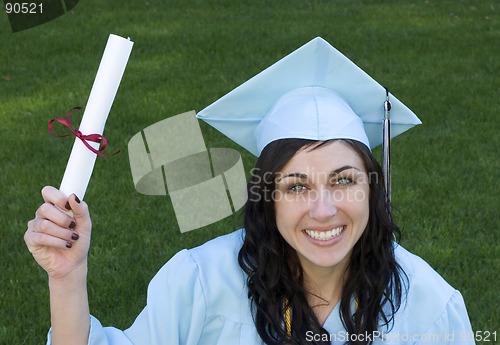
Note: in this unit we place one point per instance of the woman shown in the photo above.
(333, 230)
(316, 262)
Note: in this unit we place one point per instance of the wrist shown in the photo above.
(76, 277)
(69, 307)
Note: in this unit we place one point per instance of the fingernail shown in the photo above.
(67, 206)
(77, 199)
(69, 245)
(72, 225)
(75, 236)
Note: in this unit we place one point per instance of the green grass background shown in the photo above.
(441, 58)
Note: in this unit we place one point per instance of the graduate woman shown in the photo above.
(317, 260)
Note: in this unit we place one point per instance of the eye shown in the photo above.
(343, 181)
(297, 188)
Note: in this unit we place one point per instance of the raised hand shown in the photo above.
(59, 235)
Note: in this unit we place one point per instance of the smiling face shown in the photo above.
(322, 204)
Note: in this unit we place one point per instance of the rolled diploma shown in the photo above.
(81, 160)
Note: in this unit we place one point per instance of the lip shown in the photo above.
(329, 242)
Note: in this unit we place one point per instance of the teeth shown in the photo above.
(325, 235)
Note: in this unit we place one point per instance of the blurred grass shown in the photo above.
(438, 57)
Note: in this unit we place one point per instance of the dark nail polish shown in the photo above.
(77, 199)
(72, 225)
(67, 206)
(69, 245)
(75, 236)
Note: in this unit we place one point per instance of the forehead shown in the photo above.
(326, 157)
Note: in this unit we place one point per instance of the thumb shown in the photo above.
(80, 212)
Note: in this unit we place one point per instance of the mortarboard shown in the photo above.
(316, 93)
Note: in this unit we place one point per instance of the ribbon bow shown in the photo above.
(85, 138)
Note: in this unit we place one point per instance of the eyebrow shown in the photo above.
(345, 167)
(332, 173)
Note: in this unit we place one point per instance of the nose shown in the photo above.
(322, 206)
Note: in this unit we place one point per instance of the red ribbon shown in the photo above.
(85, 138)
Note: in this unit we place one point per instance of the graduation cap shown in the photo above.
(314, 93)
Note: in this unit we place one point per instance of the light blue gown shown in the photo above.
(200, 297)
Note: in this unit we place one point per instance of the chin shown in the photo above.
(327, 260)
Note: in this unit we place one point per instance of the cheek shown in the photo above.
(287, 213)
(282, 212)
(359, 205)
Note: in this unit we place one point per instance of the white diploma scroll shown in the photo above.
(81, 161)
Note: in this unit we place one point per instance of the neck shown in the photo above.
(324, 284)
(324, 287)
